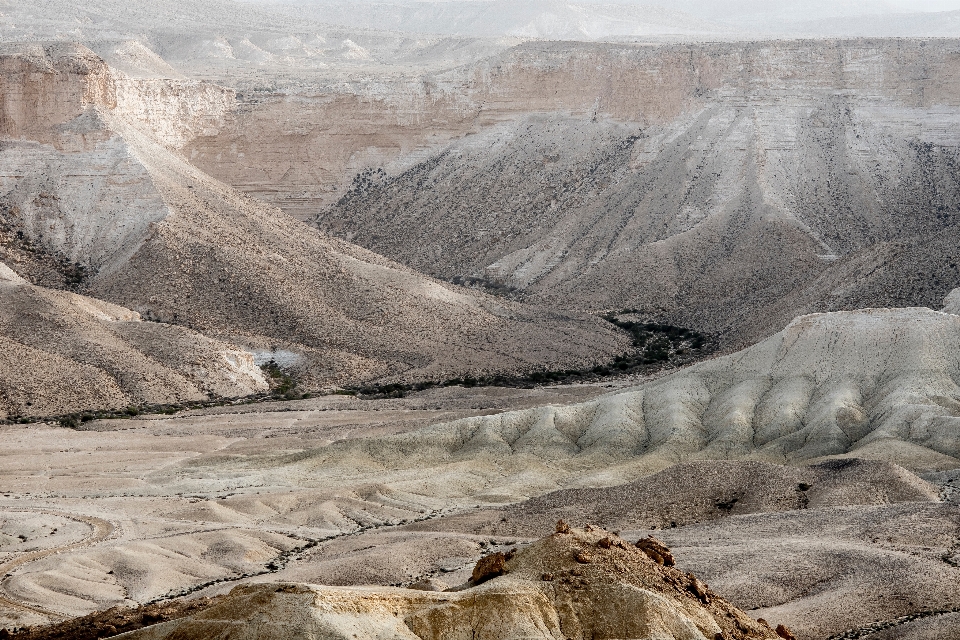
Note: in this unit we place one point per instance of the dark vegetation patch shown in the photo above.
(726, 505)
(656, 347)
(283, 384)
(494, 287)
(33, 261)
(365, 183)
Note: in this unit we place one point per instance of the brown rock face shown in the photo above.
(656, 550)
(785, 633)
(698, 588)
(46, 87)
(489, 567)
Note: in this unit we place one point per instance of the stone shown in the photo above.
(489, 567)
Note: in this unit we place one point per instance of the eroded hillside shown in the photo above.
(62, 353)
(101, 182)
(727, 187)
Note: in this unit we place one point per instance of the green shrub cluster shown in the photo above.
(655, 346)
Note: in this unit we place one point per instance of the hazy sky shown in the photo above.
(800, 18)
(819, 7)
(872, 6)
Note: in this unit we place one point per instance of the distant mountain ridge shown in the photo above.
(544, 19)
(605, 20)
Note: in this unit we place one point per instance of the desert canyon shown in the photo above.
(441, 319)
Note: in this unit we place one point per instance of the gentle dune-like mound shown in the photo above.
(875, 384)
(700, 491)
(575, 584)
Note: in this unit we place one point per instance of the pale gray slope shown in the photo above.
(824, 18)
(934, 627)
(605, 20)
(944, 24)
(877, 384)
(756, 183)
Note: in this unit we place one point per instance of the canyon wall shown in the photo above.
(727, 186)
(300, 148)
(102, 183)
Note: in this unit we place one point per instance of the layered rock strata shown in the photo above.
(98, 179)
(578, 584)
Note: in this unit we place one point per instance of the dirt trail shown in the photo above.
(100, 530)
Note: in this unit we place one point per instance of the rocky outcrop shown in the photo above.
(657, 551)
(544, 593)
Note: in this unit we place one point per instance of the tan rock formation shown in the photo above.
(621, 593)
(657, 551)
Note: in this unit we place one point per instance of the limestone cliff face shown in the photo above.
(104, 182)
(331, 133)
(173, 111)
(729, 186)
(67, 179)
(44, 88)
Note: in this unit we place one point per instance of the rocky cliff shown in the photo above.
(724, 186)
(101, 184)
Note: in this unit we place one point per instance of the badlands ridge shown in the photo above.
(188, 192)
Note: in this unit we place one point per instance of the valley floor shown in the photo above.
(143, 510)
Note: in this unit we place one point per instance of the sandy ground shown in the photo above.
(136, 511)
(129, 511)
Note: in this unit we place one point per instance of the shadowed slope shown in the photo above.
(63, 352)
